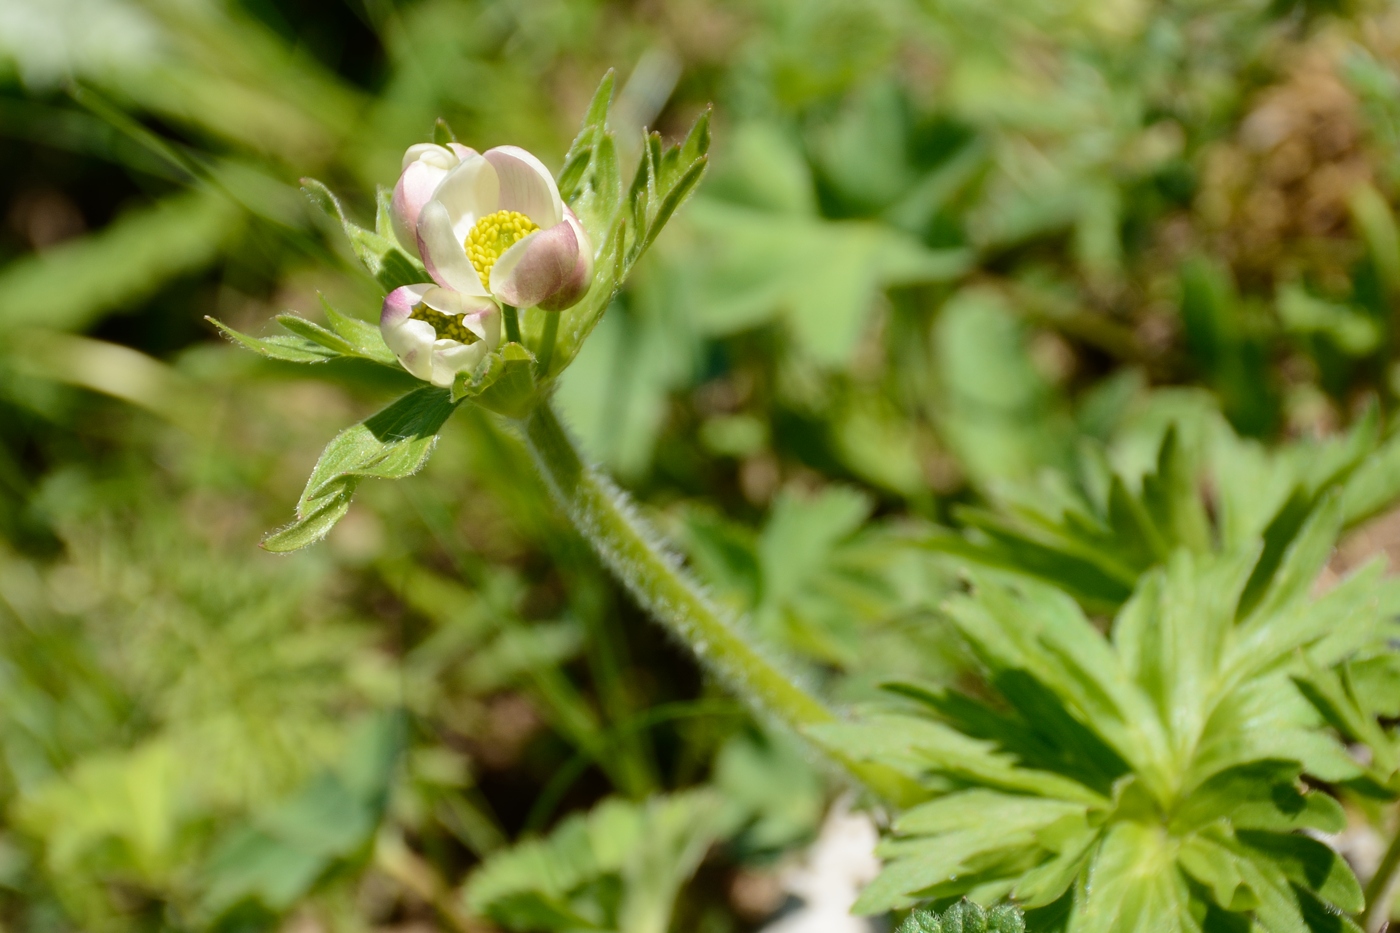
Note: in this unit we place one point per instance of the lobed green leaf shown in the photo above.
(391, 445)
(390, 266)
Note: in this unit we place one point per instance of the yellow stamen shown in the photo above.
(492, 236)
(448, 327)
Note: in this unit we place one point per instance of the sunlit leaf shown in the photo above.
(393, 444)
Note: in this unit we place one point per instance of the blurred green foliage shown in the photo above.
(968, 284)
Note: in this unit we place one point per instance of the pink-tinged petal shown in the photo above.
(537, 267)
(526, 185)
(461, 151)
(581, 279)
(399, 304)
(469, 192)
(443, 253)
(451, 357)
(412, 342)
(414, 189)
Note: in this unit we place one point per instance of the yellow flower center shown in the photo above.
(448, 327)
(492, 236)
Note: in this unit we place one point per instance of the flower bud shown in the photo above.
(424, 167)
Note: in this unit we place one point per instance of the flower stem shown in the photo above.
(1380, 890)
(512, 322)
(547, 339)
(633, 550)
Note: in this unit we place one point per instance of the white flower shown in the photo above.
(495, 226)
(437, 333)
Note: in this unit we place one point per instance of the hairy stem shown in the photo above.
(1380, 890)
(632, 549)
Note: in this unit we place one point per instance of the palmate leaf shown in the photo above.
(1094, 534)
(1096, 551)
(1150, 776)
(393, 444)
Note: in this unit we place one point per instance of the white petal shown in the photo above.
(486, 324)
(526, 185)
(430, 154)
(443, 253)
(451, 357)
(450, 302)
(469, 192)
(399, 304)
(412, 342)
(415, 152)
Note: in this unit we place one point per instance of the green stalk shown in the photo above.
(512, 321)
(547, 341)
(1380, 889)
(633, 550)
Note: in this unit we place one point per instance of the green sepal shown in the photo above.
(390, 266)
(391, 445)
(442, 133)
(505, 383)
